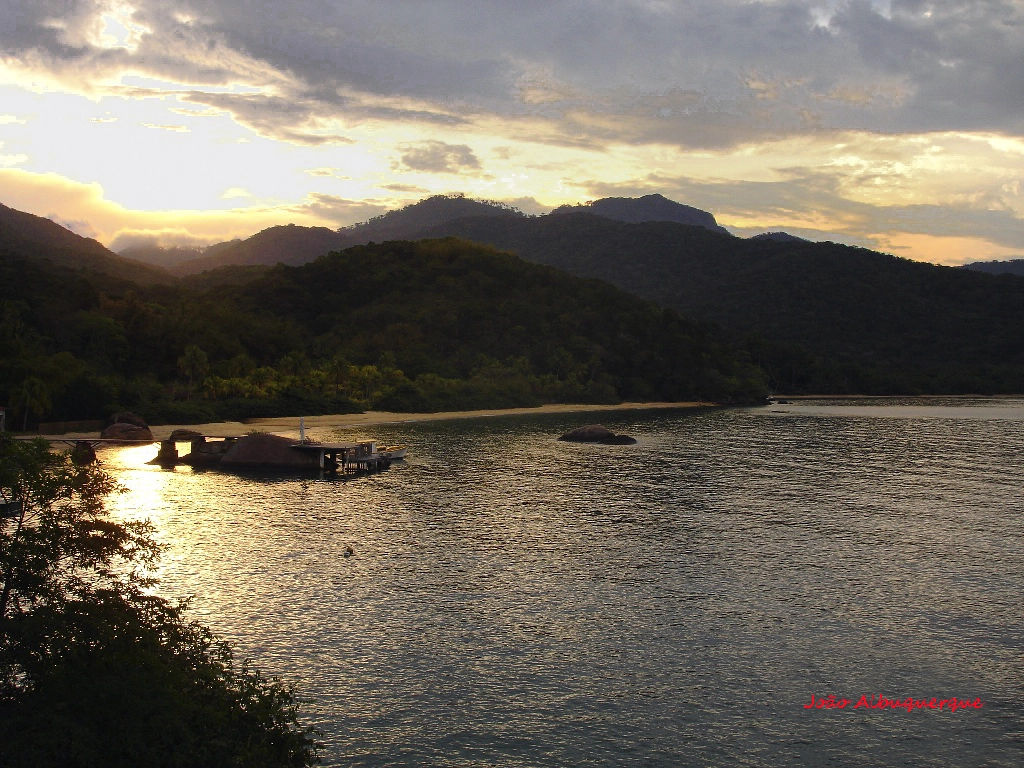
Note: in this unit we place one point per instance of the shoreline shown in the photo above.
(289, 425)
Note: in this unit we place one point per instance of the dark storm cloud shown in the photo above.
(705, 73)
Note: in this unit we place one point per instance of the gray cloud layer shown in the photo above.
(439, 157)
(704, 73)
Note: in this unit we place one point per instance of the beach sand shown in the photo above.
(290, 425)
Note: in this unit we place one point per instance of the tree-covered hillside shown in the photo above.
(819, 317)
(404, 326)
(25, 236)
(297, 245)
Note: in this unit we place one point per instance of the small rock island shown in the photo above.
(597, 433)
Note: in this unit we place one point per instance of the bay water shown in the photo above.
(512, 600)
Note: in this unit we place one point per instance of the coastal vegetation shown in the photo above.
(96, 670)
(817, 317)
(433, 325)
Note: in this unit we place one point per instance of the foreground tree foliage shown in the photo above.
(94, 669)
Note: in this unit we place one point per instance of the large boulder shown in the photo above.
(129, 433)
(263, 450)
(592, 433)
(130, 418)
(618, 440)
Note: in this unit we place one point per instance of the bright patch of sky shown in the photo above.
(119, 31)
(154, 154)
(156, 84)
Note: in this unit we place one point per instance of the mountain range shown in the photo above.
(818, 317)
(293, 245)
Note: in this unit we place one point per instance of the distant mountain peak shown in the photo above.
(780, 237)
(1009, 267)
(436, 209)
(654, 207)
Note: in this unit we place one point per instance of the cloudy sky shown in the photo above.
(894, 124)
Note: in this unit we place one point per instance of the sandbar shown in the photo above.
(289, 425)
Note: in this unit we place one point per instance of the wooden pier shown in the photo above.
(346, 457)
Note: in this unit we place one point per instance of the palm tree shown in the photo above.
(33, 395)
(193, 364)
(338, 368)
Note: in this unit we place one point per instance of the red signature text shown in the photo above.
(882, 702)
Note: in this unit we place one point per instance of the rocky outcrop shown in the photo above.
(130, 418)
(596, 433)
(184, 435)
(129, 433)
(206, 454)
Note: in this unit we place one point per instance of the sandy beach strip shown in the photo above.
(289, 425)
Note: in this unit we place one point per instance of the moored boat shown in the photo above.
(393, 452)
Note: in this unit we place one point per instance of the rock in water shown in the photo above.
(184, 435)
(262, 450)
(592, 433)
(618, 440)
(83, 453)
(128, 432)
(597, 433)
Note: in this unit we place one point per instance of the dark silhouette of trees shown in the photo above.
(96, 670)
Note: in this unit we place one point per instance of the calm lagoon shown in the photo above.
(517, 601)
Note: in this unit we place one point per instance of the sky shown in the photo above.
(896, 125)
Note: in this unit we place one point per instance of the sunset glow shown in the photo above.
(893, 125)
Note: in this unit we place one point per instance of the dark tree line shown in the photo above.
(433, 325)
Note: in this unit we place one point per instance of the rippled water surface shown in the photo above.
(517, 601)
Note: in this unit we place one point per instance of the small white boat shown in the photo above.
(394, 452)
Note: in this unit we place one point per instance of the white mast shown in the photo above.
(302, 429)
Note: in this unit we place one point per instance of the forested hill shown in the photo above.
(284, 244)
(298, 245)
(636, 210)
(433, 325)
(25, 236)
(822, 317)
(455, 310)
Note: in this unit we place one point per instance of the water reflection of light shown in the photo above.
(144, 483)
(145, 495)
